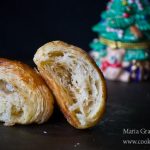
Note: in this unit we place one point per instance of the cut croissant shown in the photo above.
(75, 80)
(24, 96)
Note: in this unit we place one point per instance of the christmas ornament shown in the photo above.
(122, 49)
(124, 2)
(126, 15)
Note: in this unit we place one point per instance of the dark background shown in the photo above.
(25, 25)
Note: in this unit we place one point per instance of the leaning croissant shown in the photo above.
(24, 96)
(75, 80)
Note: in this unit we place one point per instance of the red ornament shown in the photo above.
(126, 15)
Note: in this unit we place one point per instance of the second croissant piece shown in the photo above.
(75, 80)
(24, 96)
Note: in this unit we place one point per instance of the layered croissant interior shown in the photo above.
(76, 82)
(11, 103)
(79, 80)
(24, 96)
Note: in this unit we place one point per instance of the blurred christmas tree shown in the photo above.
(122, 50)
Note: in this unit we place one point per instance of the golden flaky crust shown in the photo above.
(43, 57)
(31, 100)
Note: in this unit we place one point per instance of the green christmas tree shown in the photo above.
(125, 24)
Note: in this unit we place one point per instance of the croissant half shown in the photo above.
(24, 96)
(75, 80)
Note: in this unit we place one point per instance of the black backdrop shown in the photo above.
(27, 24)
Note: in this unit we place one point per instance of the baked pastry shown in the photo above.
(75, 80)
(24, 96)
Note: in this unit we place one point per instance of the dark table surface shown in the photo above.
(128, 107)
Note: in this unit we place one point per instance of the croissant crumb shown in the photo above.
(24, 96)
(75, 81)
